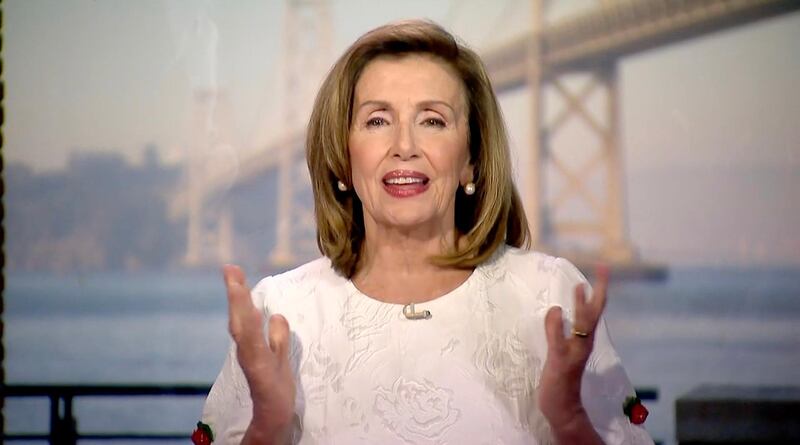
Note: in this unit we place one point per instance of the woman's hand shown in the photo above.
(266, 366)
(560, 385)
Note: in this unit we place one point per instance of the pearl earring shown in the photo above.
(469, 188)
(341, 185)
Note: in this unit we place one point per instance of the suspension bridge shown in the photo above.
(570, 215)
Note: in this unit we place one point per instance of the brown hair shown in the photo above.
(492, 216)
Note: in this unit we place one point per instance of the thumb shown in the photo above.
(554, 329)
(279, 336)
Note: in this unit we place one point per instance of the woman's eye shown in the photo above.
(434, 121)
(376, 122)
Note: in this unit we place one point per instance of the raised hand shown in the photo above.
(560, 385)
(265, 365)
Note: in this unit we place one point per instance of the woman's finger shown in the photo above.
(554, 330)
(279, 336)
(244, 320)
(238, 293)
(233, 274)
(234, 284)
(584, 323)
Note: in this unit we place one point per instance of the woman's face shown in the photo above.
(408, 143)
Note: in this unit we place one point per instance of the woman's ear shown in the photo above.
(467, 175)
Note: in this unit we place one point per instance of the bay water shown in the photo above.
(701, 325)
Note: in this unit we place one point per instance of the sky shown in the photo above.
(710, 128)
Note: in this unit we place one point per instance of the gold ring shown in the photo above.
(580, 334)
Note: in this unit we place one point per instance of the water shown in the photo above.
(733, 326)
(114, 329)
(700, 326)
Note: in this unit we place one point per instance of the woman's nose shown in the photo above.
(404, 146)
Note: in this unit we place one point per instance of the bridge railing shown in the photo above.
(63, 425)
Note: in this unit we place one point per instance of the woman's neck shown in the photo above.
(397, 268)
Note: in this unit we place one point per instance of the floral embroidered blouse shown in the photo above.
(468, 374)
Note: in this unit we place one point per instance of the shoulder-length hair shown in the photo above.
(483, 221)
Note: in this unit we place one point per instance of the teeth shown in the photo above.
(404, 180)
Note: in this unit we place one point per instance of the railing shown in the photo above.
(63, 426)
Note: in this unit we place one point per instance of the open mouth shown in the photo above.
(405, 180)
(403, 183)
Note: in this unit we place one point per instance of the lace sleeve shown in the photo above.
(228, 408)
(605, 383)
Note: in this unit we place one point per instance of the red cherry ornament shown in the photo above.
(202, 435)
(636, 412)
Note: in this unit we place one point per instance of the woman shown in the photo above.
(425, 322)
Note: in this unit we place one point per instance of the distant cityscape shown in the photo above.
(100, 213)
(103, 212)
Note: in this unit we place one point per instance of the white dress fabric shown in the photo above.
(467, 375)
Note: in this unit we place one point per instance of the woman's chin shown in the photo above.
(410, 221)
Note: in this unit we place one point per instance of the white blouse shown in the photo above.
(467, 375)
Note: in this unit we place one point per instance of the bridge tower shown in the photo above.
(307, 42)
(209, 239)
(573, 189)
(209, 153)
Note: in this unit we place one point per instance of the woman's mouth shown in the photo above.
(405, 183)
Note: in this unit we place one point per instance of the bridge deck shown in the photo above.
(619, 29)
